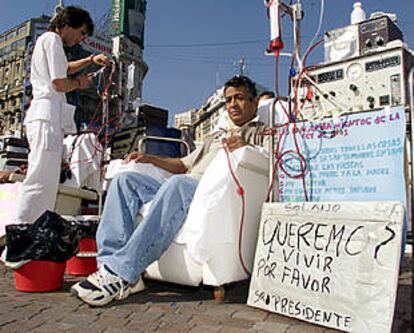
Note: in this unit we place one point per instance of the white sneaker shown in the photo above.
(102, 287)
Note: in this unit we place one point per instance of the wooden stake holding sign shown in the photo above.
(334, 264)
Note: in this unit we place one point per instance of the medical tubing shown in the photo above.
(276, 78)
(296, 111)
(104, 99)
(321, 14)
(241, 192)
(296, 107)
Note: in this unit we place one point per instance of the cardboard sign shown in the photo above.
(333, 264)
(358, 157)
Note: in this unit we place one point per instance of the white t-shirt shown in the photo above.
(49, 62)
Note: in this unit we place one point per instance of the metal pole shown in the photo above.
(105, 124)
(59, 7)
(411, 89)
(271, 147)
(298, 15)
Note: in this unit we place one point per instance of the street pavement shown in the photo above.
(162, 308)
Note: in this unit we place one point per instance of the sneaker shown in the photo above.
(102, 287)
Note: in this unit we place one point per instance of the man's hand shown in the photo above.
(137, 158)
(234, 142)
(84, 80)
(100, 59)
(4, 176)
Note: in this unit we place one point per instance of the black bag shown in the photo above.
(50, 238)
(87, 228)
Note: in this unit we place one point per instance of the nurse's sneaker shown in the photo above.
(104, 286)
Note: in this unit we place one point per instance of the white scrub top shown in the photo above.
(49, 62)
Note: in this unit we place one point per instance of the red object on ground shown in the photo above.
(83, 266)
(39, 276)
(87, 245)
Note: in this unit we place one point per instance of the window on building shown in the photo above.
(21, 44)
(22, 30)
(11, 35)
(6, 76)
(41, 26)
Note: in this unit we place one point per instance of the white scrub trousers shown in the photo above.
(39, 189)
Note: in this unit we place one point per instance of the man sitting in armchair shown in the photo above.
(124, 249)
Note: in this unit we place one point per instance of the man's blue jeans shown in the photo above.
(126, 248)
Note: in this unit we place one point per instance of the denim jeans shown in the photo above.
(126, 248)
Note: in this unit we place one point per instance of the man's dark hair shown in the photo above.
(73, 17)
(269, 93)
(241, 81)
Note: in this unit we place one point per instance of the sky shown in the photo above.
(193, 46)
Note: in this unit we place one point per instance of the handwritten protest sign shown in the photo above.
(334, 264)
(358, 157)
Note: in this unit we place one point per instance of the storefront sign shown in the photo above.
(97, 45)
(128, 19)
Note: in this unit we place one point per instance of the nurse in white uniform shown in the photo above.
(49, 116)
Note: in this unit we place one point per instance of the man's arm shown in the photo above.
(97, 59)
(173, 165)
(83, 81)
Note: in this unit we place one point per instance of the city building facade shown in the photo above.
(208, 115)
(16, 45)
(184, 119)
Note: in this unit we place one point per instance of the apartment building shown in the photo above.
(16, 45)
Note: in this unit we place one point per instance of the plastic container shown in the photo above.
(39, 276)
(358, 13)
(83, 266)
(87, 245)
